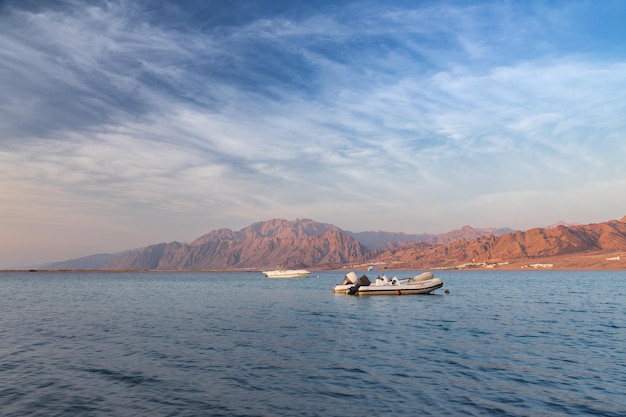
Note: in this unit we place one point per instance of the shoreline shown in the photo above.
(602, 261)
(524, 268)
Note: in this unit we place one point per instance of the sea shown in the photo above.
(489, 343)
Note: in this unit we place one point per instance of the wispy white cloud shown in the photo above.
(418, 119)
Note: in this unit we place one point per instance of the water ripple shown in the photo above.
(502, 343)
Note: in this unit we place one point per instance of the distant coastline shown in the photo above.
(588, 262)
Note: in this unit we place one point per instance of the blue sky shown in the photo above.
(128, 123)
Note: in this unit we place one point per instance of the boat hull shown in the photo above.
(287, 273)
(401, 289)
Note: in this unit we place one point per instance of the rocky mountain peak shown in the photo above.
(298, 243)
(306, 243)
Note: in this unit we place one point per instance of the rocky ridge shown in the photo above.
(573, 246)
(299, 243)
(304, 243)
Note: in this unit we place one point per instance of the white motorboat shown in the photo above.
(287, 273)
(424, 283)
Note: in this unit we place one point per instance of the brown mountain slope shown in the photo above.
(306, 243)
(533, 244)
(148, 258)
(299, 243)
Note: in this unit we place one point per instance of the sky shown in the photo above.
(130, 123)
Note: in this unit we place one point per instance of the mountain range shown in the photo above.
(305, 243)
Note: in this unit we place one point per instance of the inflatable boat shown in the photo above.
(424, 283)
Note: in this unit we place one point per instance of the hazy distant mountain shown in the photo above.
(469, 233)
(561, 223)
(390, 240)
(87, 262)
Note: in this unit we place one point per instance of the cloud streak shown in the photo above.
(159, 124)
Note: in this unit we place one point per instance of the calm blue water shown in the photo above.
(542, 343)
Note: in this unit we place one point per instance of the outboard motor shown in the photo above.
(363, 281)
